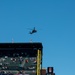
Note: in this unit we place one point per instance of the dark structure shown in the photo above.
(50, 71)
(23, 59)
(20, 58)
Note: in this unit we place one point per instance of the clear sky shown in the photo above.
(55, 22)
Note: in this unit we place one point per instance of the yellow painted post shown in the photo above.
(38, 61)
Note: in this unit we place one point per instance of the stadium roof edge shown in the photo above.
(22, 45)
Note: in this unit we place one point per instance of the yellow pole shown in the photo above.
(38, 61)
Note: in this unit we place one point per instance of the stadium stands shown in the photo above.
(19, 58)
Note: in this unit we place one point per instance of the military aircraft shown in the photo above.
(33, 31)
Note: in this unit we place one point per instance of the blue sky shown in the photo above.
(55, 22)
